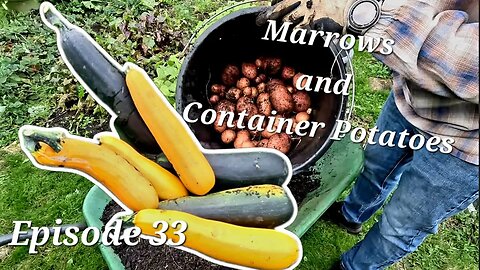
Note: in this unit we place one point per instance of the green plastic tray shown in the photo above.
(337, 169)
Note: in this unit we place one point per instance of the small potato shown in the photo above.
(261, 63)
(218, 89)
(246, 104)
(264, 105)
(301, 101)
(228, 136)
(214, 99)
(302, 116)
(242, 83)
(267, 134)
(262, 143)
(288, 73)
(274, 65)
(260, 78)
(233, 94)
(230, 75)
(249, 70)
(242, 136)
(296, 78)
(247, 91)
(261, 87)
(281, 99)
(219, 128)
(254, 92)
(281, 142)
(243, 102)
(225, 106)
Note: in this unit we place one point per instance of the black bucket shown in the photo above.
(236, 38)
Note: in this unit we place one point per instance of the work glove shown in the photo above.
(314, 14)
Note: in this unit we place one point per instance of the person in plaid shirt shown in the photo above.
(435, 92)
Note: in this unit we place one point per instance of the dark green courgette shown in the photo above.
(262, 206)
(105, 80)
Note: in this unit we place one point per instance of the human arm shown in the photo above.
(435, 45)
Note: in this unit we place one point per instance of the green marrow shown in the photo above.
(261, 206)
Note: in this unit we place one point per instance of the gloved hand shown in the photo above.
(321, 15)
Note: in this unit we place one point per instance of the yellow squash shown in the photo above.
(171, 134)
(167, 185)
(249, 247)
(54, 149)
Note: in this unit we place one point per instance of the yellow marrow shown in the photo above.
(109, 169)
(249, 247)
(167, 185)
(172, 136)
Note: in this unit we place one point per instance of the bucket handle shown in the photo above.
(347, 60)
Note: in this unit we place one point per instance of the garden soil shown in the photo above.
(146, 256)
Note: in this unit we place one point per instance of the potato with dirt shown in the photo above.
(260, 78)
(281, 99)
(249, 70)
(225, 106)
(230, 75)
(233, 94)
(281, 142)
(301, 101)
(214, 99)
(274, 65)
(219, 128)
(288, 73)
(242, 83)
(242, 137)
(263, 104)
(218, 89)
(246, 104)
(296, 79)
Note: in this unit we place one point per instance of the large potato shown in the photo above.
(281, 99)
(230, 75)
(301, 101)
(249, 70)
(281, 142)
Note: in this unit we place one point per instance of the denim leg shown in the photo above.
(432, 188)
(382, 168)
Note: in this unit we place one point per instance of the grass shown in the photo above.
(31, 74)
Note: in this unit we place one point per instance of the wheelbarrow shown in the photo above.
(337, 169)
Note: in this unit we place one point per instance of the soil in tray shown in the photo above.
(145, 256)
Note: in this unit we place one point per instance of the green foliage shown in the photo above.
(166, 79)
(28, 193)
(37, 88)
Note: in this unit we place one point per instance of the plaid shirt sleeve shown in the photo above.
(435, 62)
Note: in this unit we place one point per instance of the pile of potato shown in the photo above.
(265, 87)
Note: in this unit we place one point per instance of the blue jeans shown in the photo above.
(430, 187)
